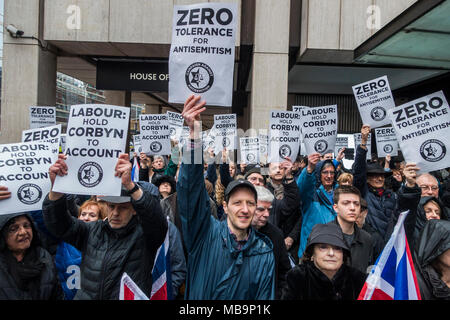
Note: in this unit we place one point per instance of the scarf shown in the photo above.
(26, 273)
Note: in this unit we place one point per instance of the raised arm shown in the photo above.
(307, 181)
(360, 164)
(192, 197)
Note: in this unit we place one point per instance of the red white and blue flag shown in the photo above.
(135, 170)
(162, 283)
(129, 290)
(393, 276)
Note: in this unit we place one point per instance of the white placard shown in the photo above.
(202, 54)
(155, 134)
(319, 129)
(42, 116)
(284, 135)
(374, 98)
(357, 138)
(341, 142)
(137, 145)
(63, 139)
(24, 171)
(249, 147)
(96, 136)
(263, 147)
(208, 140)
(176, 122)
(51, 135)
(224, 129)
(386, 142)
(422, 127)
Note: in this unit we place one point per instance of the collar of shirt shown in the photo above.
(238, 244)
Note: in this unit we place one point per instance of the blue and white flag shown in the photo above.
(135, 170)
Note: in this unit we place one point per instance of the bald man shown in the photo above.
(428, 184)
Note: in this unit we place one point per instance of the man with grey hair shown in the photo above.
(261, 223)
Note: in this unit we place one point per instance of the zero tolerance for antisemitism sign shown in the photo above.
(249, 147)
(176, 122)
(42, 117)
(423, 131)
(374, 99)
(319, 129)
(51, 135)
(96, 136)
(202, 55)
(284, 135)
(24, 171)
(155, 134)
(358, 138)
(386, 142)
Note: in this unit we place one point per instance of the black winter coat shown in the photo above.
(282, 264)
(108, 253)
(47, 282)
(381, 208)
(306, 282)
(433, 241)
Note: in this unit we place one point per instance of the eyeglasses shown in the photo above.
(327, 173)
(426, 188)
(15, 227)
(254, 179)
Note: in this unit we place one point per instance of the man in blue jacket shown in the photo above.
(229, 259)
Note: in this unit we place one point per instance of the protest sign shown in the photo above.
(176, 122)
(374, 99)
(263, 140)
(224, 129)
(155, 134)
(137, 145)
(357, 138)
(284, 135)
(422, 127)
(96, 136)
(202, 54)
(208, 140)
(319, 129)
(47, 134)
(249, 147)
(184, 136)
(24, 171)
(42, 116)
(62, 139)
(386, 142)
(341, 142)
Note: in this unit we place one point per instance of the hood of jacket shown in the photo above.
(433, 241)
(4, 219)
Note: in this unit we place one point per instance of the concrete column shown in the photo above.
(270, 61)
(29, 72)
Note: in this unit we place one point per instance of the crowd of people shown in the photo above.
(306, 228)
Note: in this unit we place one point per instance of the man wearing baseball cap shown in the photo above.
(229, 259)
(126, 241)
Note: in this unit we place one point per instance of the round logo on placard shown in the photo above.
(321, 146)
(225, 142)
(262, 149)
(250, 157)
(90, 174)
(378, 114)
(155, 146)
(285, 151)
(199, 77)
(173, 132)
(29, 193)
(433, 150)
(388, 148)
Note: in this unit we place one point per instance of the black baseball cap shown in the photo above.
(123, 198)
(239, 183)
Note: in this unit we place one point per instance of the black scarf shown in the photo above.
(26, 273)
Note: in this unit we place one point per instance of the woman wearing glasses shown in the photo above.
(27, 271)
